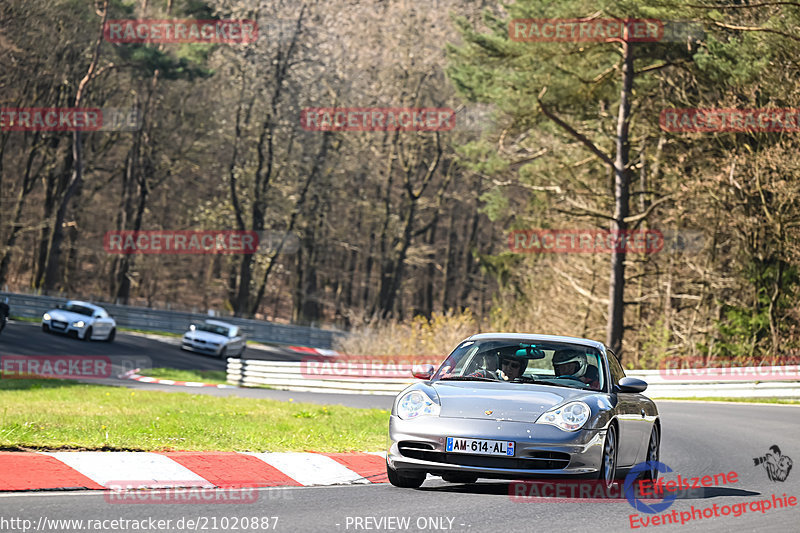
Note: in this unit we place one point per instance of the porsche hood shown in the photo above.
(514, 402)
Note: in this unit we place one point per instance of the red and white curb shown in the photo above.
(132, 374)
(314, 351)
(110, 470)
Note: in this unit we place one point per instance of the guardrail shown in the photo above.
(360, 378)
(33, 306)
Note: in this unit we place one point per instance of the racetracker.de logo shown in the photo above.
(181, 242)
(129, 492)
(563, 490)
(358, 367)
(55, 366)
(582, 30)
(69, 119)
(180, 31)
(713, 120)
(377, 119)
(700, 369)
(584, 241)
(50, 119)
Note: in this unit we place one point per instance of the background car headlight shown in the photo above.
(569, 417)
(79, 324)
(416, 403)
(46, 316)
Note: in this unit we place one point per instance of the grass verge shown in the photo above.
(203, 376)
(736, 400)
(60, 414)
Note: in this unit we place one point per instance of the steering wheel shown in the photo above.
(570, 377)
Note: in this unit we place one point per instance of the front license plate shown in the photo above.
(480, 446)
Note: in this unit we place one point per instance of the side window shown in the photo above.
(616, 368)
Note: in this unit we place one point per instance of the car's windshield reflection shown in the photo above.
(553, 363)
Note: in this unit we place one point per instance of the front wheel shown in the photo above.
(404, 482)
(223, 352)
(88, 335)
(45, 328)
(608, 464)
(111, 335)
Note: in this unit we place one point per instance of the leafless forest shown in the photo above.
(396, 225)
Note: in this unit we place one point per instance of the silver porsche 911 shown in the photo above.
(516, 406)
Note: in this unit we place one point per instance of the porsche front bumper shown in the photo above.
(541, 451)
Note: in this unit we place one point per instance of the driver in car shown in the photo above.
(510, 368)
(573, 364)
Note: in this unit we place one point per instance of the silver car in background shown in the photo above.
(214, 337)
(514, 406)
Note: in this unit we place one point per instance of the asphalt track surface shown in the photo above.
(699, 439)
(129, 351)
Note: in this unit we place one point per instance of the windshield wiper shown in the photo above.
(540, 382)
(468, 378)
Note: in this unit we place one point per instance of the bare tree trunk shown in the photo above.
(616, 304)
(57, 235)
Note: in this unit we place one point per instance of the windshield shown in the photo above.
(518, 362)
(211, 328)
(81, 310)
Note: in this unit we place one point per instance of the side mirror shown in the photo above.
(631, 385)
(422, 371)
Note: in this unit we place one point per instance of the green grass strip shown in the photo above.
(203, 376)
(61, 414)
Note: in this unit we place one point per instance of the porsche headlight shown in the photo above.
(79, 324)
(46, 316)
(416, 403)
(569, 417)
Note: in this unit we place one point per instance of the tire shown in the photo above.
(45, 328)
(223, 353)
(88, 335)
(608, 463)
(460, 478)
(653, 454)
(111, 335)
(404, 482)
(241, 353)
